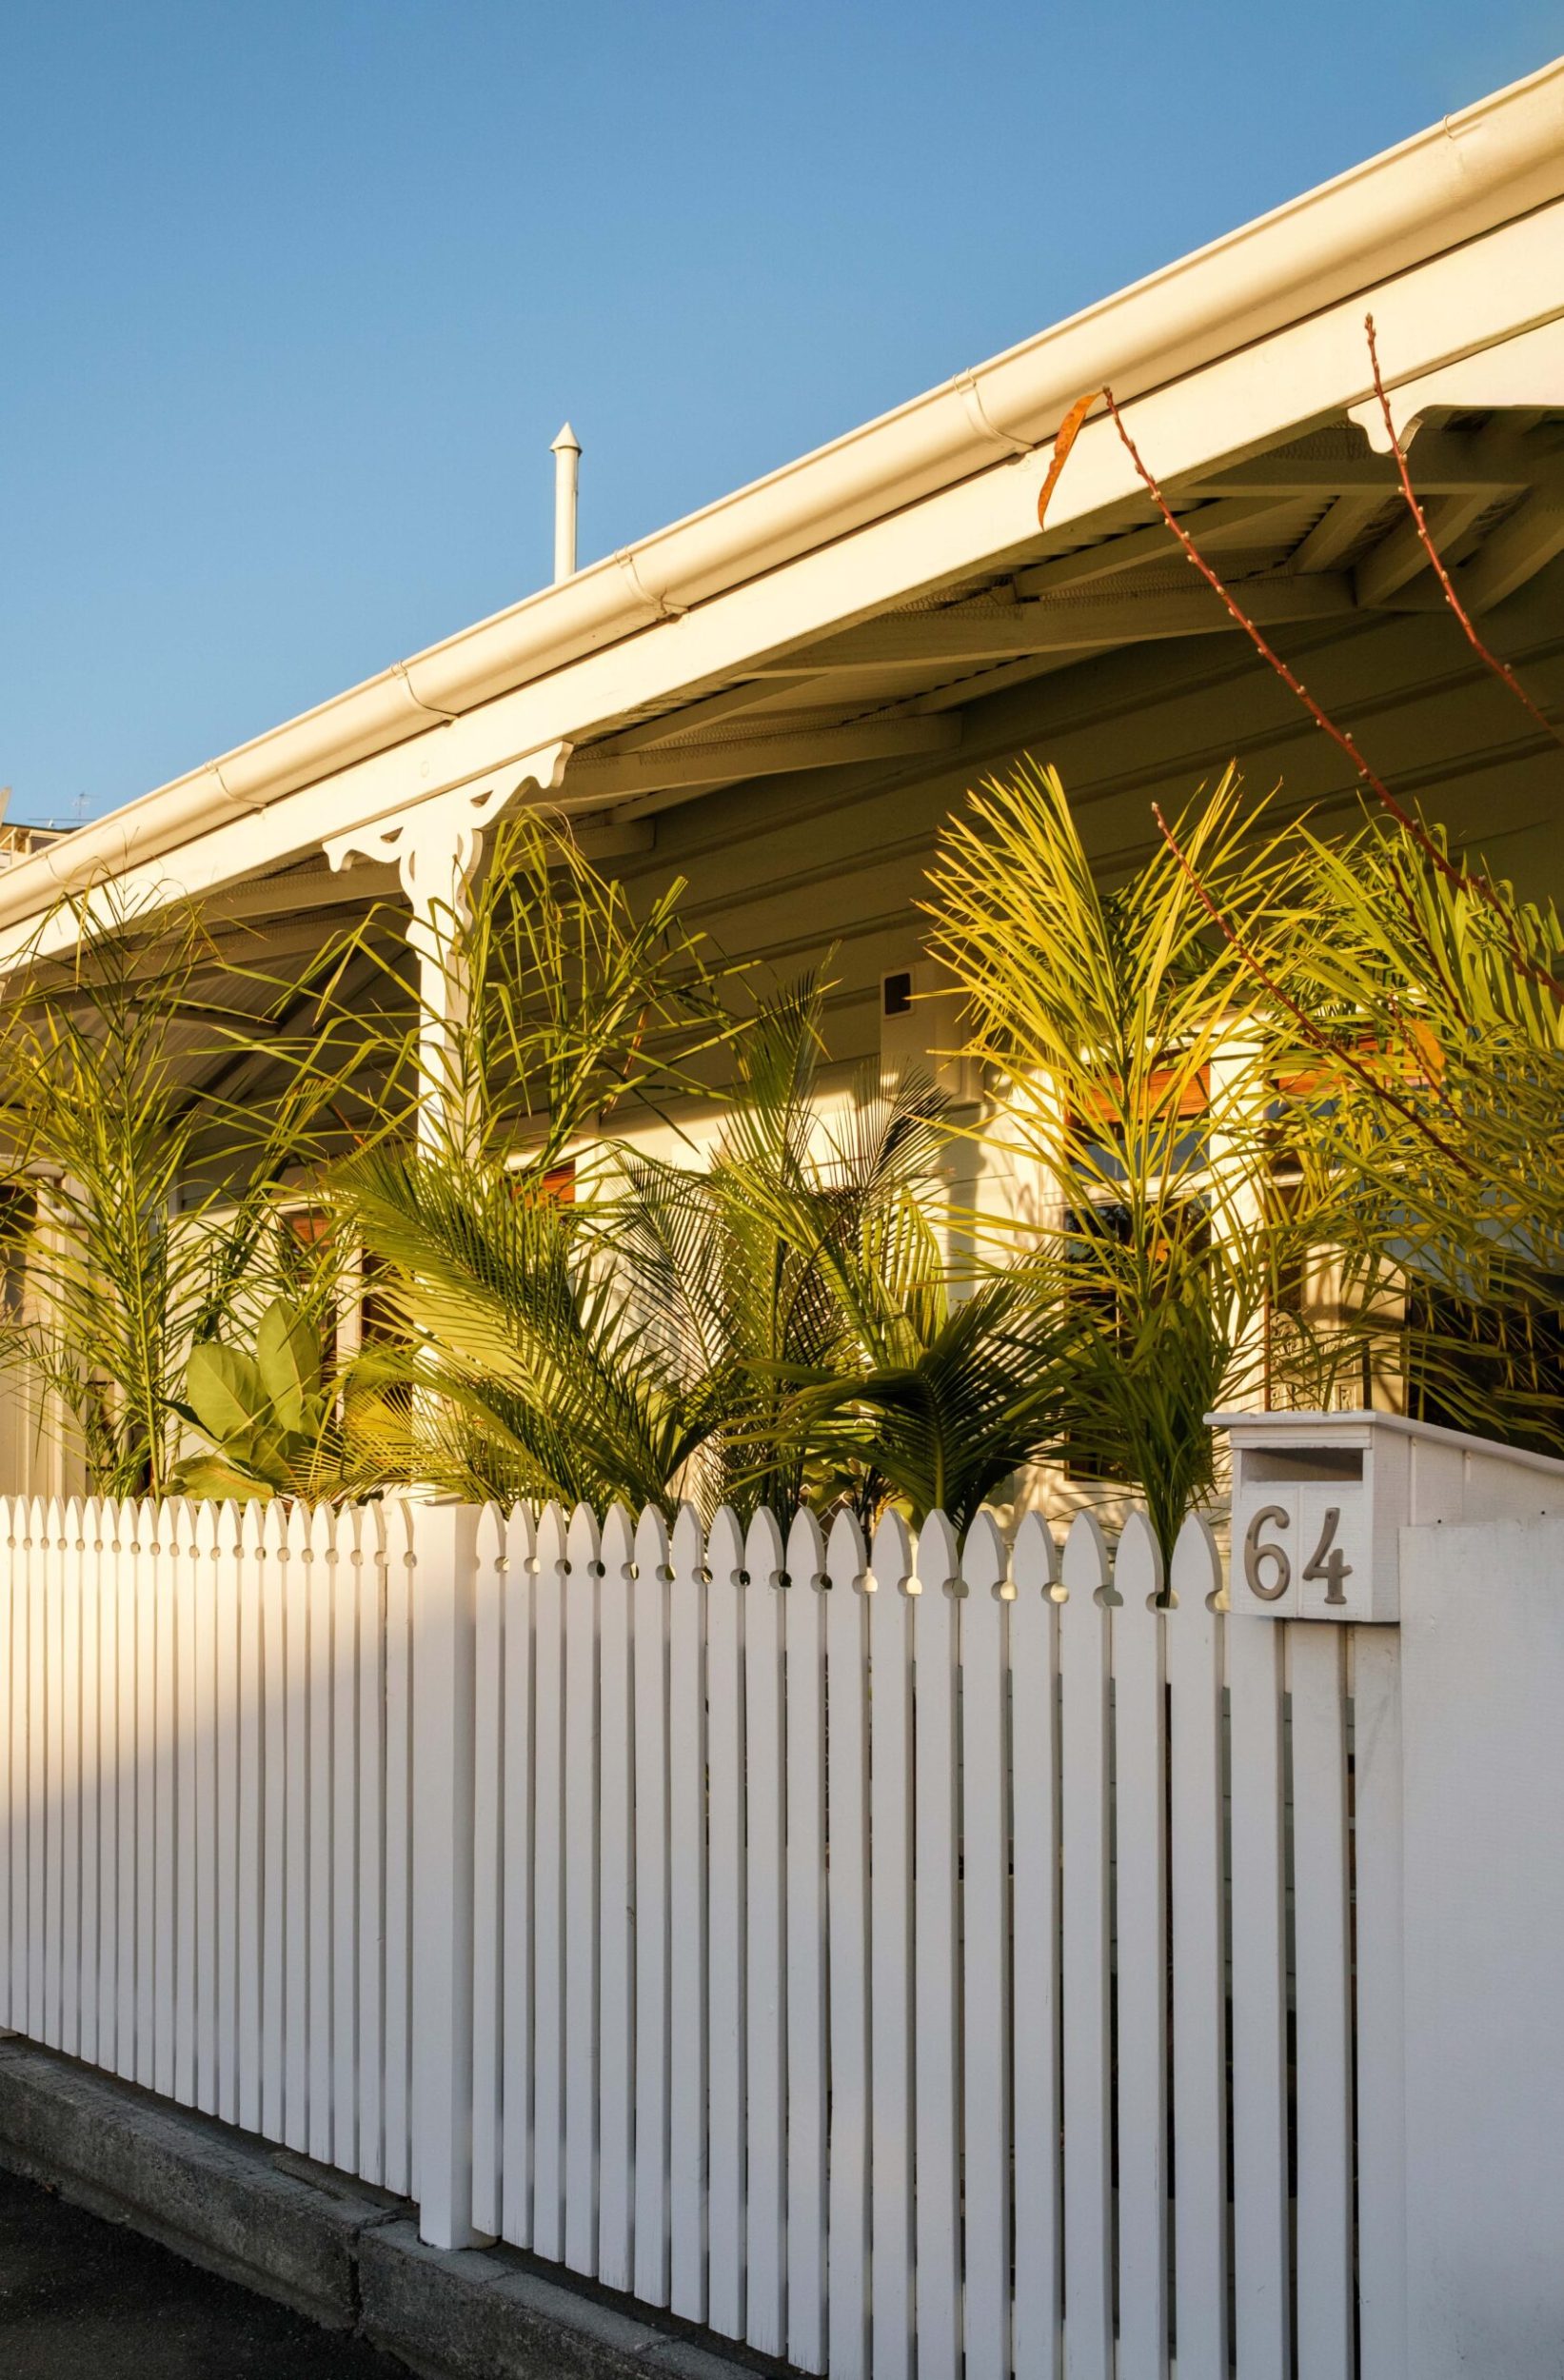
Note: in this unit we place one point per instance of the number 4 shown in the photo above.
(1328, 1561)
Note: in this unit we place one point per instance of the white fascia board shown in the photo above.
(1496, 294)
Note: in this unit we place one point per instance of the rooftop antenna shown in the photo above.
(566, 453)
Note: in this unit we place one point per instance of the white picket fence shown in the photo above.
(917, 1960)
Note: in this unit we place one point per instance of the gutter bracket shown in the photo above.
(966, 387)
(658, 604)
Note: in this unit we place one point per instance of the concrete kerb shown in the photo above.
(348, 2257)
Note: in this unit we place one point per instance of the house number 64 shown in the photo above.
(1327, 1562)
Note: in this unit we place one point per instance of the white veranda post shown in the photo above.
(437, 847)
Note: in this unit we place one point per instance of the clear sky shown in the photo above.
(295, 293)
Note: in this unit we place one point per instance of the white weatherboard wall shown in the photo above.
(914, 1959)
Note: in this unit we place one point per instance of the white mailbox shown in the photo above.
(1319, 1500)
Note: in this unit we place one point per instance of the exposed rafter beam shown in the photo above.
(1518, 548)
(623, 775)
(1338, 529)
(1443, 463)
(1402, 554)
(1214, 525)
(707, 712)
(1004, 632)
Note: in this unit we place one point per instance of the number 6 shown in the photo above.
(1254, 1552)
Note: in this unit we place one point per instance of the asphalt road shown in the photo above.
(85, 2300)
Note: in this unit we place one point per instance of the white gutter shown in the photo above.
(1493, 161)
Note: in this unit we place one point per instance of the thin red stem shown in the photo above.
(1341, 737)
(1500, 668)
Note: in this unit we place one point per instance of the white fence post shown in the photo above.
(443, 1633)
(1482, 1703)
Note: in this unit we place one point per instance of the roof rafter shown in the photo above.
(623, 775)
(1214, 524)
(1400, 555)
(999, 632)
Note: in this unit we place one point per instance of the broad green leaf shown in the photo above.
(225, 1391)
(287, 1354)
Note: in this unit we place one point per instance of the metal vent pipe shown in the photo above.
(566, 453)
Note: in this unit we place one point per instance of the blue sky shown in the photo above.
(293, 297)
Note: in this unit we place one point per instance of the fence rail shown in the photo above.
(911, 1958)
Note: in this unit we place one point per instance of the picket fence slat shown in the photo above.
(57, 1857)
(333, 1548)
(652, 2214)
(937, 1946)
(766, 2005)
(369, 2058)
(1261, 2279)
(488, 1875)
(1036, 2115)
(188, 1643)
(581, 1598)
(247, 1721)
(1140, 1895)
(985, 1976)
(726, 1898)
(807, 2072)
(548, 1893)
(1084, 1669)
(847, 1921)
(616, 1908)
(852, 1934)
(890, 1619)
(688, 2030)
(227, 1732)
(1196, 1869)
(517, 1847)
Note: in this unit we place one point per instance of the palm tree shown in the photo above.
(1130, 1044)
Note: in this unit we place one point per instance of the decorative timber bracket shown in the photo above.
(436, 843)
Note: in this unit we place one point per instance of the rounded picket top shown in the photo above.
(149, 1537)
(618, 1549)
(847, 1557)
(805, 1550)
(725, 1547)
(985, 1567)
(1138, 1564)
(206, 1529)
(1087, 1568)
(273, 1529)
(689, 1550)
(939, 1556)
(890, 1555)
(551, 1537)
(1198, 1564)
(73, 1531)
(1033, 1557)
(323, 1531)
(250, 1525)
(489, 1538)
(582, 1542)
(518, 1533)
(33, 1524)
(763, 1556)
(651, 1544)
(51, 1522)
(229, 1526)
(297, 1530)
